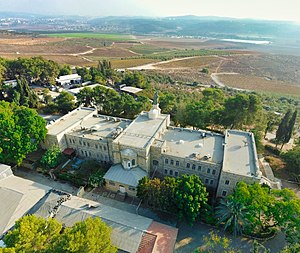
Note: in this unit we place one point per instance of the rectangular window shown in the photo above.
(172, 162)
(214, 172)
(206, 181)
(84, 144)
(96, 146)
(208, 170)
(171, 172)
(166, 161)
(82, 152)
(100, 147)
(90, 154)
(177, 163)
(193, 166)
(188, 165)
(224, 193)
(227, 182)
(80, 142)
(73, 141)
(88, 144)
(104, 148)
(166, 172)
(176, 173)
(199, 168)
(211, 182)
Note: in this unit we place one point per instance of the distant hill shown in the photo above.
(198, 26)
(217, 27)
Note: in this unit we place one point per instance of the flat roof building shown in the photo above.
(68, 79)
(17, 197)
(149, 145)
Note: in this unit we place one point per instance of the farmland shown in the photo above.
(104, 36)
(182, 59)
(248, 82)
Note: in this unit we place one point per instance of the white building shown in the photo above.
(148, 145)
(69, 79)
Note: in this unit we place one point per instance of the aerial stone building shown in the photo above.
(148, 145)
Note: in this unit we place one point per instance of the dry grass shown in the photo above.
(249, 82)
(42, 49)
(128, 63)
(113, 52)
(197, 62)
(28, 41)
(61, 59)
(274, 67)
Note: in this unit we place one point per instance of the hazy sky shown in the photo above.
(262, 9)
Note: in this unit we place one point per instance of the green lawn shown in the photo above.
(116, 37)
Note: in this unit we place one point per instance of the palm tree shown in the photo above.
(232, 214)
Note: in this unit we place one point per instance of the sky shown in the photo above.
(255, 9)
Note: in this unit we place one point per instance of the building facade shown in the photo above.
(148, 146)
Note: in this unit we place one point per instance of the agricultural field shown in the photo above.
(195, 62)
(129, 63)
(104, 36)
(250, 82)
(180, 58)
(271, 67)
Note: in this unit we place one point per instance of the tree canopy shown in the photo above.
(184, 196)
(33, 234)
(21, 131)
(265, 209)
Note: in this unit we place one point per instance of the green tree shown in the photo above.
(149, 191)
(167, 102)
(283, 129)
(33, 234)
(213, 243)
(51, 158)
(268, 209)
(167, 194)
(85, 96)
(65, 102)
(65, 70)
(90, 236)
(241, 109)
(21, 131)
(96, 179)
(190, 196)
(232, 214)
(292, 160)
(290, 127)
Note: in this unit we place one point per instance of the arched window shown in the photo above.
(155, 162)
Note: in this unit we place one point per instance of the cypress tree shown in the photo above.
(290, 128)
(283, 128)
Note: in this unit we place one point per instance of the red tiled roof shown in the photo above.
(147, 243)
(165, 237)
(68, 151)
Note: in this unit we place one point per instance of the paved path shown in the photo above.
(45, 180)
(190, 238)
(268, 169)
(66, 187)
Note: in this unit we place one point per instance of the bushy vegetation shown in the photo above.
(51, 158)
(184, 196)
(21, 131)
(35, 234)
(256, 210)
